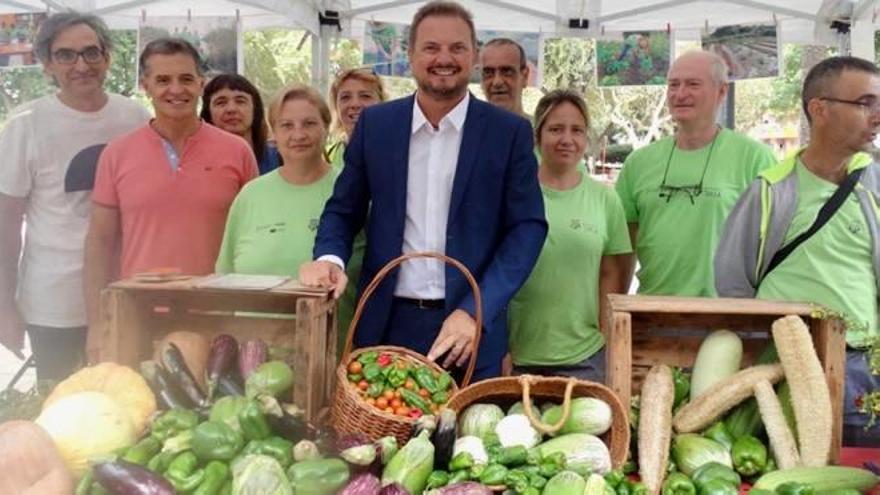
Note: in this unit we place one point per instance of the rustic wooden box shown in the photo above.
(135, 315)
(660, 329)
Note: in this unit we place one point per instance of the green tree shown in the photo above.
(122, 76)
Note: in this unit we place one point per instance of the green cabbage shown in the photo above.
(588, 415)
(259, 475)
(565, 483)
(690, 451)
(479, 419)
(584, 454)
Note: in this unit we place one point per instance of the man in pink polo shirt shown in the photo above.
(162, 192)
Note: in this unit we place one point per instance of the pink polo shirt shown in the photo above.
(172, 218)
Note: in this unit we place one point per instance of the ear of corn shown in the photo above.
(781, 439)
(809, 389)
(724, 395)
(655, 426)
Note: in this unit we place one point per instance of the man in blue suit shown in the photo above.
(437, 171)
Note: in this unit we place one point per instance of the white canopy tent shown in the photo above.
(800, 21)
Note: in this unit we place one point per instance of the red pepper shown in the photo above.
(415, 413)
(384, 360)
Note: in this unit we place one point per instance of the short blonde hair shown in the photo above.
(299, 92)
(551, 101)
(360, 74)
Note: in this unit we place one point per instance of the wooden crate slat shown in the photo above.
(694, 305)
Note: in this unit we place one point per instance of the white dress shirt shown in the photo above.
(433, 158)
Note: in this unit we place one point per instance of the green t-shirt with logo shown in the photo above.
(834, 267)
(554, 318)
(272, 224)
(678, 232)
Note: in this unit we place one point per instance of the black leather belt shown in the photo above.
(423, 303)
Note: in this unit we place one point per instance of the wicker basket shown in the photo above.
(507, 390)
(349, 413)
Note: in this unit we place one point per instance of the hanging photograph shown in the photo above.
(385, 46)
(641, 58)
(216, 38)
(17, 35)
(750, 50)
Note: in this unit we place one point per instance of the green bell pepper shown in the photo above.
(375, 389)
(397, 377)
(253, 422)
(141, 452)
(276, 447)
(172, 422)
(770, 466)
(425, 378)
(459, 476)
(216, 475)
(270, 378)
(718, 432)
(437, 479)
(444, 381)
(713, 471)
(623, 488)
(614, 477)
(182, 472)
(678, 484)
(494, 474)
(517, 480)
(441, 397)
(368, 357)
(160, 462)
(476, 471)
(531, 491)
(462, 460)
(178, 443)
(512, 456)
(537, 481)
(373, 373)
(415, 400)
(749, 455)
(213, 440)
(719, 487)
(795, 488)
(629, 466)
(682, 386)
(638, 488)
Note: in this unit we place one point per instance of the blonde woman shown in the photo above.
(554, 319)
(351, 92)
(271, 225)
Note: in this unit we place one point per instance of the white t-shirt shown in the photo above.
(49, 156)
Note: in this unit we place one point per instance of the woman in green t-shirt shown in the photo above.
(351, 92)
(554, 318)
(272, 222)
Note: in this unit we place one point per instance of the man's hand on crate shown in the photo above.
(324, 274)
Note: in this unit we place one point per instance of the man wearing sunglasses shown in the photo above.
(678, 191)
(50, 151)
(807, 229)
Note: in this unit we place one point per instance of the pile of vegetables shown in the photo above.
(733, 425)
(397, 386)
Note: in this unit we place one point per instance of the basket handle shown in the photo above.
(371, 287)
(537, 423)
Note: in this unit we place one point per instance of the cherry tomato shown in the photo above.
(355, 367)
(381, 402)
(363, 384)
(402, 411)
(397, 394)
(388, 394)
(424, 393)
(371, 401)
(395, 403)
(389, 410)
(410, 384)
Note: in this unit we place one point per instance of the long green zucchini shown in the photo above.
(821, 478)
(745, 419)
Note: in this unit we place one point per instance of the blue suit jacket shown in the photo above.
(496, 225)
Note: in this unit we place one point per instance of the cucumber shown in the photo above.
(821, 479)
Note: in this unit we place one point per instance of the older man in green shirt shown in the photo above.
(678, 191)
(838, 263)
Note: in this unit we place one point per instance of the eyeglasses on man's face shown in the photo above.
(67, 56)
(867, 105)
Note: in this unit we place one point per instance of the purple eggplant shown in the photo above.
(394, 489)
(166, 389)
(252, 354)
(362, 484)
(126, 478)
(173, 360)
(224, 351)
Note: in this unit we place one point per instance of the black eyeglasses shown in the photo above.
(693, 191)
(66, 56)
(872, 106)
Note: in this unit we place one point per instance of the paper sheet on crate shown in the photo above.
(238, 281)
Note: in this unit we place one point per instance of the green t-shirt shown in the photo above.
(834, 267)
(272, 224)
(554, 318)
(677, 238)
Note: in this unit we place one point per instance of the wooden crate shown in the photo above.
(135, 315)
(647, 330)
